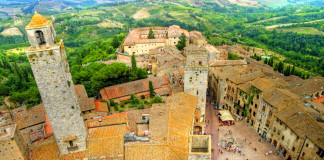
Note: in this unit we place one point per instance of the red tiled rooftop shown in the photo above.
(135, 87)
(319, 99)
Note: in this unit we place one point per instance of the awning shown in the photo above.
(224, 112)
(227, 118)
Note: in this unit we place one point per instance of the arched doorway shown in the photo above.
(40, 37)
(275, 143)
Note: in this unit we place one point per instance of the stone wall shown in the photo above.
(54, 81)
(196, 78)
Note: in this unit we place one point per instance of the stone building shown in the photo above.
(52, 74)
(30, 123)
(297, 135)
(12, 145)
(154, 133)
(138, 43)
(196, 76)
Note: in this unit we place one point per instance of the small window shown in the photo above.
(278, 132)
(256, 106)
(257, 96)
(293, 149)
(283, 137)
(254, 114)
(303, 154)
(71, 143)
(307, 145)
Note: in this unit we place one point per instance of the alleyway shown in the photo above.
(240, 131)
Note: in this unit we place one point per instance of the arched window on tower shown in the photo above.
(40, 37)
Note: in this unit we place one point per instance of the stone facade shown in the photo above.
(12, 145)
(196, 75)
(52, 74)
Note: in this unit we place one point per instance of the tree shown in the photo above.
(280, 67)
(293, 72)
(151, 89)
(182, 43)
(133, 62)
(266, 61)
(115, 42)
(151, 34)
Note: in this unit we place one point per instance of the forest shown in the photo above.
(92, 35)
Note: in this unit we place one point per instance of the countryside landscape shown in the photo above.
(272, 49)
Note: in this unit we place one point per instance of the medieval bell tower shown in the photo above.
(196, 78)
(52, 74)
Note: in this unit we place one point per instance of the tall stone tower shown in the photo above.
(52, 74)
(196, 74)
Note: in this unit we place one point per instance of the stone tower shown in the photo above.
(195, 76)
(52, 74)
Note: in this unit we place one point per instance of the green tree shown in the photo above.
(151, 34)
(293, 72)
(182, 43)
(115, 42)
(280, 67)
(151, 89)
(133, 62)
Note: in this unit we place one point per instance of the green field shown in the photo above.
(304, 30)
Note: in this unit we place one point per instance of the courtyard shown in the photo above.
(244, 135)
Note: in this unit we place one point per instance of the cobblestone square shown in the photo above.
(240, 131)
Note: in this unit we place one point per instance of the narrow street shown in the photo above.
(212, 127)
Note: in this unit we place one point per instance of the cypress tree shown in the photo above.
(293, 71)
(133, 62)
(151, 89)
(266, 61)
(151, 34)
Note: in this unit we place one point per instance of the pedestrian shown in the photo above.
(243, 153)
(208, 121)
(218, 129)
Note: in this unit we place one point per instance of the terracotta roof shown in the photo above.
(134, 117)
(217, 63)
(25, 118)
(101, 106)
(245, 87)
(238, 79)
(134, 37)
(197, 35)
(84, 102)
(192, 47)
(308, 86)
(48, 127)
(303, 124)
(126, 89)
(169, 127)
(45, 150)
(176, 31)
(106, 141)
(280, 98)
(212, 49)
(120, 118)
(103, 141)
(38, 21)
